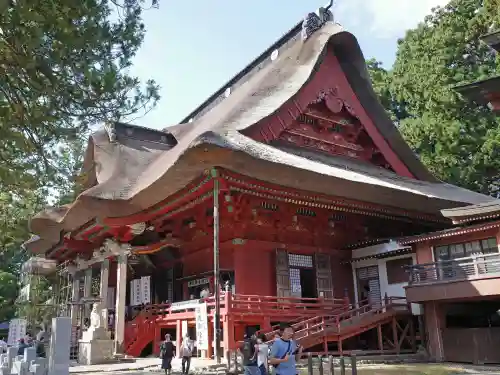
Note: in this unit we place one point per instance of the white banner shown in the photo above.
(17, 330)
(140, 291)
(146, 289)
(201, 326)
(185, 305)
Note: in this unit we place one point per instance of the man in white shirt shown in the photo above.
(205, 293)
(186, 353)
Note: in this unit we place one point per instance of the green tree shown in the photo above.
(64, 68)
(8, 295)
(457, 140)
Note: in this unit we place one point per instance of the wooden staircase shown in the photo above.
(339, 327)
(138, 334)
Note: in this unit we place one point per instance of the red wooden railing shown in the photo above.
(284, 306)
(310, 330)
(323, 325)
(275, 308)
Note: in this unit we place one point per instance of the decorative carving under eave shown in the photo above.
(330, 125)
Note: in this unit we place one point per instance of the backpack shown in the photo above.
(163, 349)
(186, 350)
(249, 350)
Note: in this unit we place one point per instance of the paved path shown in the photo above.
(140, 365)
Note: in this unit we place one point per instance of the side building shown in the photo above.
(455, 279)
(271, 188)
(457, 270)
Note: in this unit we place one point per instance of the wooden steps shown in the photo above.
(339, 327)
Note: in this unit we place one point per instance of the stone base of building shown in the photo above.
(95, 352)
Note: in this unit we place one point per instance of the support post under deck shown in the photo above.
(395, 335)
(380, 339)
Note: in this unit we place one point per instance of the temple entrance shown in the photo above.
(308, 282)
(368, 285)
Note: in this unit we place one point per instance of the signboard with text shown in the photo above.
(201, 326)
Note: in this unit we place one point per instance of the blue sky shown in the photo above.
(193, 47)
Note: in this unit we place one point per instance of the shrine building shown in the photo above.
(487, 91)
(289, 183)
(455, 273)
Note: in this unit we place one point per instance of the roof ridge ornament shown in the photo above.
(315, 21)
(110, 128)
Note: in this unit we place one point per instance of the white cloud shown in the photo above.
(386, 18)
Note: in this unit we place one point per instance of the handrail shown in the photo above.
(317, 324)
(474, 266)
(487, 255)
(336, 321)
(254, 304)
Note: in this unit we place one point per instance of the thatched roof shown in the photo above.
(137, 167)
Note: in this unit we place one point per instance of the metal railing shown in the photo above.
(473, 267)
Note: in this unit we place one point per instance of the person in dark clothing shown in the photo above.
(249, 354)
(20, 348)
(167, 352)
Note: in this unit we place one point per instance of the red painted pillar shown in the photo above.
(228, 323)
(210, 351)
(239, 332)
(178, 337)
(157, 340)
(266, 324)
(228, 333)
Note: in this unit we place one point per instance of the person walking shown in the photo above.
(3, 346)
(262, 350)
(167, 352)
(248, 352)
(22, 345)
(186, 353)
(285, 352)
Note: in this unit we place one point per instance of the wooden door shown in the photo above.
(368, 276)
(324, 283)
(282, 274)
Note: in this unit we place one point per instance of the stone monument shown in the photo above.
(95, 347)
(30, 364)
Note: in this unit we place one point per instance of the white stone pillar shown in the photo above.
(121, 295)
(75, 298)
(87, 291)
(103, 290)
(60, 344)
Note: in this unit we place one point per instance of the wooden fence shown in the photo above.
(316, 365)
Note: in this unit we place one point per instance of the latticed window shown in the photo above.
(298, 260)
(466, 249)
(295, 280)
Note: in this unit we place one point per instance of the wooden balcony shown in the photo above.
(464, 278)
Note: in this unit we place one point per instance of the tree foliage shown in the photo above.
(8, 295)
(64, 68)
(457, 140)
